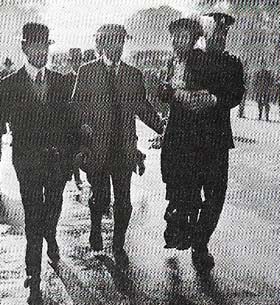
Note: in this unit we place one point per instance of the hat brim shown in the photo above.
(127, 36)
(49, 42)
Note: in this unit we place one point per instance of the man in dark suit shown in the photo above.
(229, 87)
(263, 85)
(35, 101)
(201, 89)
(108, 95)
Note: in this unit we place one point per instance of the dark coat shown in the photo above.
(37, 123)
(188, 133)
(96, 105)
(263, 85)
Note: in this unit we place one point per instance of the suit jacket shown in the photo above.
(188, 132)
(39, 119)
(96, 106)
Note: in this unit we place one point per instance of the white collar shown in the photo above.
(33, 71)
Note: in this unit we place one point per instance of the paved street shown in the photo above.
(245, 244)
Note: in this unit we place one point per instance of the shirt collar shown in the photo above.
(33, 71)
(109, 63)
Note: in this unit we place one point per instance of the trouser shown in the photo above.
(211, 175)
(42, 196)
(266, 106)
(241, 108)
(100, 201)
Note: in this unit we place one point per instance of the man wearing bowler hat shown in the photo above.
(35, 100)
(108, 95)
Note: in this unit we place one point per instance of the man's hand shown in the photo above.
(86, 130)
(82, 157)
(195, 100)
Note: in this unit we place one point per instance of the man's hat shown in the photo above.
(112, 29)
(189, 24)
(221, 19)
(36, 33)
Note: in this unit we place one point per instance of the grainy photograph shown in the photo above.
(140, 155)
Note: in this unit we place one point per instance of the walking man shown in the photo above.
(263, 83)
(201, 89)
(108, 95)
(228, 80)
(34, 100)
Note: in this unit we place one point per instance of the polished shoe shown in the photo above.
(171, 238)
(203, 261)
(96, 242)
(35, 296)
(121, 259)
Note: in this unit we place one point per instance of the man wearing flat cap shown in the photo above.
(35, 101)
(108, 95)
(195, 146)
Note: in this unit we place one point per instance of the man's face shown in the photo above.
(216, 41)
(112, 46)
(183, 41)
(36, 53)
(76, 62)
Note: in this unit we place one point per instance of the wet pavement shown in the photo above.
(245, 244)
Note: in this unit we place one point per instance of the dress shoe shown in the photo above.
(202, 260)
(35, 295)
(121, 259)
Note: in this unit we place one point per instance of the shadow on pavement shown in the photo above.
(175, 284)
(123, 283)
(79, 294)
(211, 289)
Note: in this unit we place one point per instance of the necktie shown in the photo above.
(39, 78)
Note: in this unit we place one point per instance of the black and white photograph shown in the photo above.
(139, 152)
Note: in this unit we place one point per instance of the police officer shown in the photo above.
(108, 95)
(201, 88)
(35, 101)
(227, 75)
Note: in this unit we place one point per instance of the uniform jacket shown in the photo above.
(187, 132)
(39, 119)
(95, 105)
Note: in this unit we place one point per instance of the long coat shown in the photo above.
(263, 85)
(189, 134)
(38, 121)
(95, 105)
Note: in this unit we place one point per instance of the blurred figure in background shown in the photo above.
(75, 60)
(263, 84)
(8, 68)
(241, 107)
